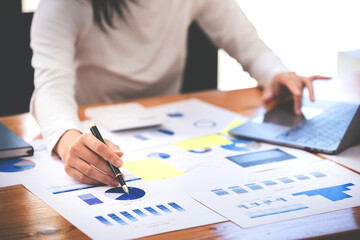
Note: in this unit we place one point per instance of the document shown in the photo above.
(279, 195)
(13, 170)
(190, 172)
(103, 212)
(349, 158)
(188, 119)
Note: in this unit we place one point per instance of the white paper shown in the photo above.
(279, 195)
(188, 119)
(124, 116)
(13, 170)
(96, 212)
(349, 158)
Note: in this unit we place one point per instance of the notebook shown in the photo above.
(325, 126)
(12, 146)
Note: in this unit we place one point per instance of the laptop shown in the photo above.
(324, 126)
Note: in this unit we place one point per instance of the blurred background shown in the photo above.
(308, 35)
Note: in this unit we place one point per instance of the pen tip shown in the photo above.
(125, 188)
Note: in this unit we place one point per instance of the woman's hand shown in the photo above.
(289, 85)
(84, 155)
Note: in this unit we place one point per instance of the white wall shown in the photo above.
(305, 34)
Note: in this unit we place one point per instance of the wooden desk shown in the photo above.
(23, 215)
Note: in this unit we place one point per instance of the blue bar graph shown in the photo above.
(260, 202)
(103, 220)
(286, 180)
(177, 207)
(253, 186)
(163, 208)
(152, 211)
(269, 182)
(117, 219)
(166, 132)
(70, 188)
(139, 212)
(90, 199)
(220, 192)
(302, 177)
(318, 174)
(128, 216)
(141, 137)
(275, 211)
(237, 189)
(335, 193)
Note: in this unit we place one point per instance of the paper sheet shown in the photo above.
(103, 212)
(293, 183)
(189, 119)
(13, 170)
(279, 195)
(349, 158)
(151, 169)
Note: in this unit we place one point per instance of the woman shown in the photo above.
(96, 51)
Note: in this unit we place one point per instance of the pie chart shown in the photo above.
(200, 150)
(119, 194)
(158, 155)
(16, 165)
(237, 145)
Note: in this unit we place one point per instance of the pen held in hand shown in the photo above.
(94, 130)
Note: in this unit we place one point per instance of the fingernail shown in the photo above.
(118, 164)
(119, 153)
(114, 183)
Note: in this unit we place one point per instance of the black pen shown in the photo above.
(94, 130)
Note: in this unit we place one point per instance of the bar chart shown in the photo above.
(135, 215)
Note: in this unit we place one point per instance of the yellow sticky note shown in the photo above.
(151, 169)
(203, 142)
(232, 125)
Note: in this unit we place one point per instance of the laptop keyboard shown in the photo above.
(323, 130)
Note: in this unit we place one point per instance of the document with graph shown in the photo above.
(186, 119)
(279, 195)
(103, 212)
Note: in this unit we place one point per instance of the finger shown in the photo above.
(97, 161)
(314, 77)
(309, 84)
(101, 149)
(94, 174)
(79, 176)
(296, 91)
(297, 103)
(268, 96)
(114, 147)
(90, 157)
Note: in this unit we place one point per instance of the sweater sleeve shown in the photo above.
(53, 39)
(228, 27)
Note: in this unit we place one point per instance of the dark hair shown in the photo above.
(105, 10)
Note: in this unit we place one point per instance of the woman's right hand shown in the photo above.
(84, 156)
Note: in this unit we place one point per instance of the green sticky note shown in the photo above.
(151, 169)
(203, 142)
